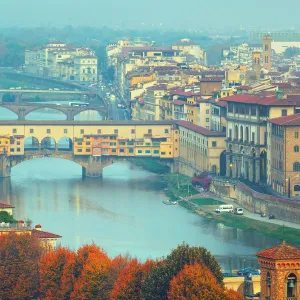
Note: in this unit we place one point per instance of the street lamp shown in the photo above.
(230, 165)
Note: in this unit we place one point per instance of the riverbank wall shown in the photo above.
(282, 209)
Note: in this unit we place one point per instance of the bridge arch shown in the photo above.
(101, 113)
(53, 109)
(9, 113)
(65, 144)
(48, 143)
(31, 143)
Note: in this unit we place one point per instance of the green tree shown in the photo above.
(291, 51)
(157, 283)
(6, 217)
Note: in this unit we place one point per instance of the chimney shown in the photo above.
(38, 227)
(21, 224)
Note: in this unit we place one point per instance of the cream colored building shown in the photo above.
(85, 68)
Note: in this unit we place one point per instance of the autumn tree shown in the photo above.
(57, 274)
(91, 273)
(195, 281)
(19, 257)
(129, 282)
(157, 284)
(232, 295)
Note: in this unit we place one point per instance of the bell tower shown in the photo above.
(267, 52)
(280, 273)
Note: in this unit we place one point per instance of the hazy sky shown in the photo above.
(192, 14)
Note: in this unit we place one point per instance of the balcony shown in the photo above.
(290, 298)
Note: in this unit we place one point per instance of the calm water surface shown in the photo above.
(122, 212)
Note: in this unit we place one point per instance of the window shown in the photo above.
(88, 150)
(296, 148)
(31, 130)
(253, 111)
(156, 151)
(166, 130)
(214, 144)
(99, 131)
(122, 143)
(122, 150)
(148, 151)
(140, 151)
(296, 166)
(253, 137)
(149, 131)
(48, 130)
(230, 133)
(14, 130)
(79, 150)
(65, 130)
(163, 153)
(79, 143)
(114, 150)
(81, 131)
(207, 111)
(113, 144)
(132, 131)
(266, 59)
(284, 112)
(170, 153)
(18, 149)
(296, 134)
(12, 150)
(130, 150)
(18, 143)
(207, 119)
(116, 131)
(266, 48)
(88, 143)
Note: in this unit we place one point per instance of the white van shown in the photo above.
(238, 211)
(224, 208)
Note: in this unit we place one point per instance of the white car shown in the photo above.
(119, 105)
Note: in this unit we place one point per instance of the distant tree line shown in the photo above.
(291, 52)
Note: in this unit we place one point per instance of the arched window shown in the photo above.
(268, 284)
(247, 135)
(297, 188)
(236, 132)
(241, 134)
(291, 286)
(296, 166)
(214, 169)
(296, 148)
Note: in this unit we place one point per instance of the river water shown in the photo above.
(122, 212)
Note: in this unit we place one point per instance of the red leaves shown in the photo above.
(19, 257)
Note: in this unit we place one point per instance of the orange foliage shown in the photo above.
(91, 272)
(128, 284)
(57, 274)
(233, 295)
(195, 282)
(19, 257)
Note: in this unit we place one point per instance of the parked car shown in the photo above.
(245, 271)
(224, 208)
(238, 211)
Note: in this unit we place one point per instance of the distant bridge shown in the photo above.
(24, 91)
(21, 110)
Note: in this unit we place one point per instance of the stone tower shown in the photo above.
(256, 66)
(267, 52)
(280, 273)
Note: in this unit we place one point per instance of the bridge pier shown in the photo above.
(5, 166)
(93, 168)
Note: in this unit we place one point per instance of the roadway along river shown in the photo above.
(122, 212)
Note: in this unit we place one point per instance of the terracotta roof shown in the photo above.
(257, 99)
(292, 120)
(44, 234)
(4, 205)
(201, 100)
(200, 129)
(159, 87)
(179, 102)
(281, 251)
(211, 79)
(243, 88)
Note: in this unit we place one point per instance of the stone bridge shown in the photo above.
(91, 166)
(21, 110)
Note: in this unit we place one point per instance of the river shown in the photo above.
(122, 212)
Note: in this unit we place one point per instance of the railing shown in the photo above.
(291, 298)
